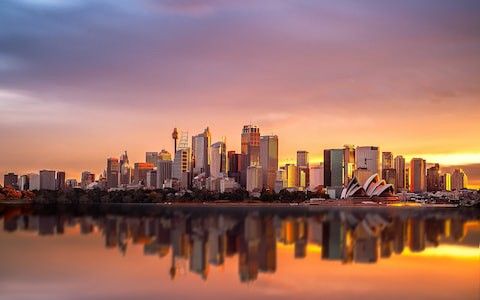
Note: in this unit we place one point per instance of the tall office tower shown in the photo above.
(446, 182)
(47, 180)
(23, 183)
(348, 163)
(368, 157)
(303, 170)
(33, 182)
(175, 138)
(459, 180)
(400, 181)
(280, 180)
(316, 177)
(71, 183)
(433, 178)
(237, 163)
(140, 172)
(387, 160)
(327, 174)
(151, 157)
(251, 144)
(87, 178)
(164, 155)
(302, 158)
(181, 163)
(417, 175)
(113, 171)
(125, 170)
(336, 167)
(164, 171)
(254, 178)
(201, 144)
(407, 176)
(389, 175)
(269, 160)
(292, 176)
(10, 180)
(60, 180)
(218, 162)
(151, 179)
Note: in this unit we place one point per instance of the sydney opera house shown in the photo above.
(373, 189)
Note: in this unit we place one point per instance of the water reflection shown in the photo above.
(195, 239)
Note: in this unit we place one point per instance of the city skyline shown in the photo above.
(403, 76)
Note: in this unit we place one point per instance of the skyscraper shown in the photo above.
(459, 180)
(446, 182)
(10, 180)
(87, 178)
(218, 161)
(181, 163)
(237, 167)
(164, 168)
(254, 178)
(151, 157)
(251, 144)
(33, 182)
(125, 169)
(113, 170)
(292, 175)
(269, 160)
(60, 182)
(201, 144)
(327, 174)
(140, 171)
(368, 157)
(302, 158)
(400, 181)
(417, 175)
(348, 163)
(387, 160)
(336, 167)
(47, 180)
(316, 176)
(433, 178)
(303, 170)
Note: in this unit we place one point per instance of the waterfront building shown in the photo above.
(417, 175)
(164, 171)
(23, 183)
(250, 144)
(334, 167)
(368, 157)
(459, 180)
(433, 178)
(140, 171)
(291, 173)
(269, 160)
(400, 173)
(113, 171)
(389, 175)
(10, 180)
(201, 148)
(151, 181)
(254, 178)
(47, 180)
(387, 160)
(151, 157)
(302, 158)
(237, 167)
(228, 185)
(71, 183)
(446, 182)
(87, 179)
(60, 182)
(33, 182)
(218, 161)
(125, 170)
(181, 166)
(348, 163)
(362, 175)
(316, 177)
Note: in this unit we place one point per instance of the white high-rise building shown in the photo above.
(164, 171)
(201, 144)
(218, 161)
(368, 157)
(181, 163)
(254, 178)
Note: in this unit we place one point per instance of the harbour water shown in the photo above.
(157, 251)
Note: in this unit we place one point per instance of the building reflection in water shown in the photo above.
(193, 242)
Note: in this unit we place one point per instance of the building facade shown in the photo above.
(269, 160)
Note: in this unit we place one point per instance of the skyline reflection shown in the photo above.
(196, 240)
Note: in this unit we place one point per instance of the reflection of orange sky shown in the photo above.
(80, 265)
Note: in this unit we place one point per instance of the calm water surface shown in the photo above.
(143, 252)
